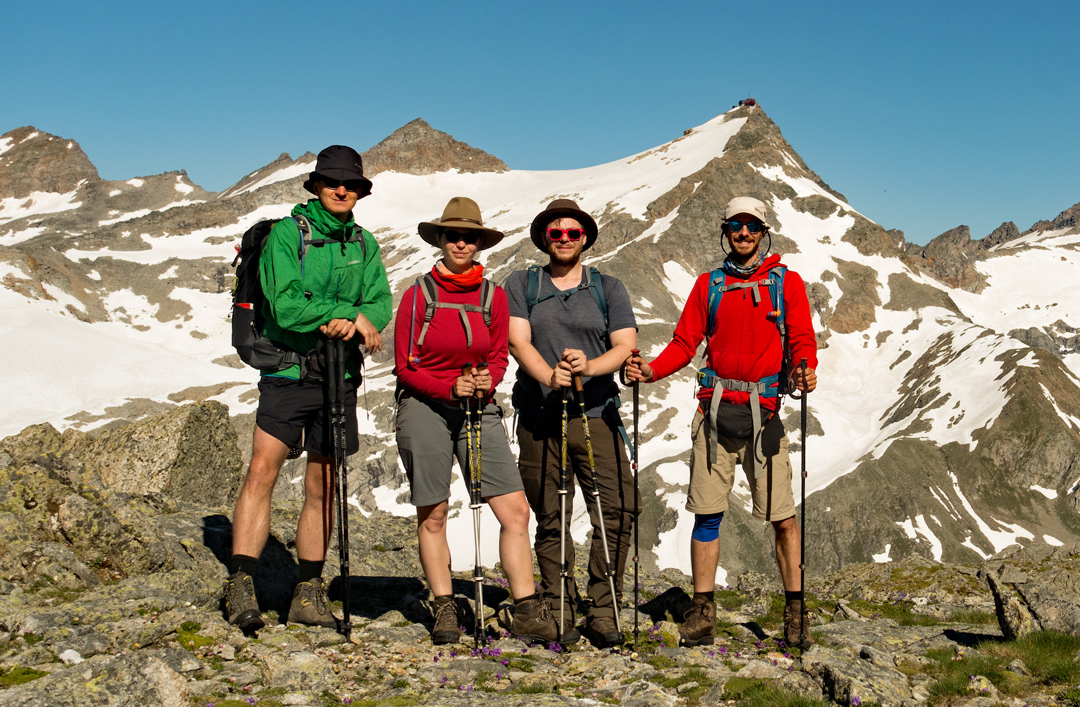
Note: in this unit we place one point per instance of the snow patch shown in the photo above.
(115, 192)
(5, 144)
(280, 175)
(913, 529)
(883, 556)
(170, 273)
(136, 182)
(182, 187)
(1049, 493)
(1000, 539)
(1052, 541)
(37, 203)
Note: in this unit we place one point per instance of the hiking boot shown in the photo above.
(241, 606)
(310, 605)
(533, 622)
(446, 629)
(699, 624)
(603, 632)
(793, 626)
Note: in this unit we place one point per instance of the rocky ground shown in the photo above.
(112, 598)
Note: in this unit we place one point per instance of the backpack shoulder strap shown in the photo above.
(716, 290)
(487, 296)
(426, 285)
(596, 288)
(532, 287)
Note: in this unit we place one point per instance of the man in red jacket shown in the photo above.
(756, 317)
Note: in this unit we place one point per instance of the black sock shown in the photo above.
(245, 564)
(792, 596)
(528, 598)
(311, 569)
(702, 597)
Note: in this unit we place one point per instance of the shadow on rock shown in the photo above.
(276, 576)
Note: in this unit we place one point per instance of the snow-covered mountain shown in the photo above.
(947, 422)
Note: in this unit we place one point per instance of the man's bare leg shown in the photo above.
(703, 559)
(316, 525)
(251, 519)
(787, 552)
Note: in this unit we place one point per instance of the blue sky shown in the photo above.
(925, 115)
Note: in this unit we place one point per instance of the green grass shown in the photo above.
(751, 692)
(19, 676)
(971, 616)
(521, 665)
(1047, 655)
(188, 637)
(32, 639)
(661, 662)
(533, 689)
(704, 682)
(900, 612)
(729, 599)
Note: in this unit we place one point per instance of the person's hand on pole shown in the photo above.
(576, 360)
(343, 329)
(481, 380)
(465, 385)
(804, 379)
(561, 376)
(637, 369)
(368, 334)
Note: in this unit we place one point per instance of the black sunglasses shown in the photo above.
(356, 185)
(470, 237)
(751, 226)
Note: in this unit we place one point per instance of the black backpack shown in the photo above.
(247, 308)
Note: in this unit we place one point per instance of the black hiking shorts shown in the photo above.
(296, 412)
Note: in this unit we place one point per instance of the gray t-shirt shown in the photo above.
(570, 319)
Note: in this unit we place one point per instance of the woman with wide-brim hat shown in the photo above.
(430, 353)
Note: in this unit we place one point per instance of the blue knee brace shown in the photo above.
(707, 527)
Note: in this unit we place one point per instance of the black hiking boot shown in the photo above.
(446, 629)
(603, 632)
(699, 624)
(533, 622)
(310, 605)
(241, 606)
(794, 632)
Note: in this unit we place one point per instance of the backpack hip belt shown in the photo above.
(765, 388)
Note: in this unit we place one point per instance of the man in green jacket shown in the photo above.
(338, 291)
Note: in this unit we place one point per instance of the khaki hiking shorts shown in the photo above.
(711, 484)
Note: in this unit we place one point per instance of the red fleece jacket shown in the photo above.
(444, 351)
(746, 345)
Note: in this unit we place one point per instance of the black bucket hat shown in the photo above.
(562, 208)
(339, 162)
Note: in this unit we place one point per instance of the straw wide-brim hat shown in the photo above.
(561, 208)
(460, 212)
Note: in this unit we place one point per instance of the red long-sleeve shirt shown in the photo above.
(746, 345)
(444, 351)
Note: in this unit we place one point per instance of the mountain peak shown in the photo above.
(418, 148)
(35, 161)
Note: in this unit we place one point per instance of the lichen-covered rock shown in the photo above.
(114, 680)
(1036, 596)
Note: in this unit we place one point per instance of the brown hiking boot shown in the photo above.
(310, 605)
(603, 632)
(699, 624)
(533, 622)
(241, 606)
(793, 626)
(446, 629)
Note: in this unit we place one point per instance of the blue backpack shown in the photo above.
(718, 285)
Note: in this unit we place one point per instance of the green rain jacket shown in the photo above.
(336, 282)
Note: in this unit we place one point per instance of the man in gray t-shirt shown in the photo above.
(557, 333)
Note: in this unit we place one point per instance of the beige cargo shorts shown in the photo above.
(711, 484)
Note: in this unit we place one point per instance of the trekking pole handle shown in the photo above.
(480, 367)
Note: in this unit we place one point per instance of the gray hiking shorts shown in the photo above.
(430, 434)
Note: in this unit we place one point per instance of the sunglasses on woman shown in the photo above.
(574, 234)
(470, 237)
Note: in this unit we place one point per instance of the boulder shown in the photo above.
(1031, 597)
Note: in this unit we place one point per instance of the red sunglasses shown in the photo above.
(574, 234)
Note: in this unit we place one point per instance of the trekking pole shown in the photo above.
(335, 358)
(473, 457)
(564, 572)
(634, 466)
(579, 391)
(802, 508)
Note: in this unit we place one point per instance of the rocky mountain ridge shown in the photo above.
(942, 429)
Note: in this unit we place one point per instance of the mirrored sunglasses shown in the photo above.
(574, 234)
(751, 226)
